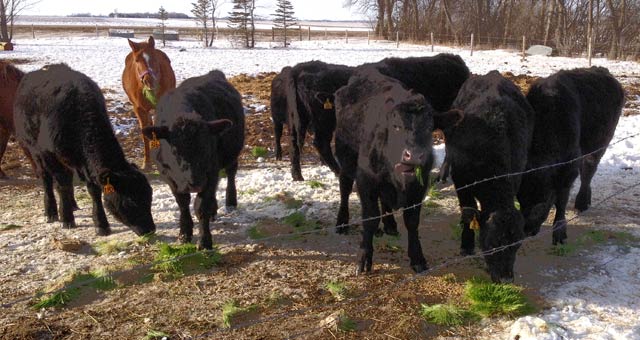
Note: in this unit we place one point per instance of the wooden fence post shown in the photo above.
(431, 41)
(309, 33)
(397, 39)
(471, 44)
(346, 36)
(97, 34)
(33, 31)
(273, 34)
(300, 32)
(524, 44)
(368, 37)
(326, 36)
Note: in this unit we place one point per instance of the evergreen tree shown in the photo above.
(283, 17)
(241, 21)
(163, 16)
(201, 10)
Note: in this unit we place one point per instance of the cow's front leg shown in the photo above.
(205, 204)
(97, 214)
(371, 216)
(411, 221)
(231, 200)
(469, 213)
(186, 222)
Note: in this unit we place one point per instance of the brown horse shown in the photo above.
(146, 77)
(10, 77)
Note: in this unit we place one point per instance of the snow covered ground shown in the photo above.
(604, 305)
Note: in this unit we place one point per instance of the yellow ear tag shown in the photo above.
(474, 225)
(108, 189)
(154, 143)
(328, 105)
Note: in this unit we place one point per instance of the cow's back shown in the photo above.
(210, 97)
(63, 111)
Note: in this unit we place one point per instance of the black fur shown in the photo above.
(279, 107)
(200, 125)
(383, 133)
(576, 114)
(491, 139)
(61, 118)
(308, 86)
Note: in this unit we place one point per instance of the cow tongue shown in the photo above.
(405, 169)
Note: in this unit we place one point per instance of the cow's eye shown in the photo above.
(397, 127)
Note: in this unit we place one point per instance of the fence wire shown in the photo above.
(360, 221)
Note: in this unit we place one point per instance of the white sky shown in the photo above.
(303, 9)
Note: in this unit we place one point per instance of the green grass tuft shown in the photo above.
(419, 175)
(447, 315)
(316, 184)
(563, 249)
(388, 243)
(516, 204)
(491, 299)
(596, 236)
(110, 247)
(231, 310)
(255, 234)
(178, 259)
(434, 194)
(337, 289)
(222, 173)
(346, 324)
(146, 239)
(259, 151)
(456, 230)
(299, 221)
(152, 335)
(6, 227)
(98, 279)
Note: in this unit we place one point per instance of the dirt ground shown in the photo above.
(282, 279)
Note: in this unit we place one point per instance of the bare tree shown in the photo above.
(9, 10)
(215, 7)
(200, 10)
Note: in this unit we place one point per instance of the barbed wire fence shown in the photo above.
(446, 263)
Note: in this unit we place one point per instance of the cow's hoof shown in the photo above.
(378, 233)
(205, 245)
(419, 268)
(582, 204)
(297, 177)
(69, 225)
(229, 209)
(103, 231)
(342, 230)
(559, 232)
(467, 252)
(182, 238)
(391, 231)
(51, 219)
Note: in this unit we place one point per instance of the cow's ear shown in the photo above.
(134, 46)
(156, 132)
(219, 126)
(445, 120)
(152, 42)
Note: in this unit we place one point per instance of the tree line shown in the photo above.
(561, 24)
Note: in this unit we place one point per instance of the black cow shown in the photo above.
(60, 116)
(489, 134)
(576, 115)
(383, 137)
(279, 106)
(437, 78)
(200, 128)
(309, 91)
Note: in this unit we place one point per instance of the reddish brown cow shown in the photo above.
(10, 77)
(147, 76)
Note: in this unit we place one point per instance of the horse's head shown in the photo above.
(146, 66)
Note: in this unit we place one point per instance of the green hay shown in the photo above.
(299, 221)
(152, 335)
(419, 175)
(255, 234)
(259, 151)
(98, 280)
(337, 289)
(231, 310)
(389, 243)
(346, 324)
(148, 93)
(177, 260)
(491, 299)
(316, 184)
(6, 227)
(110, 247)
(448, 315)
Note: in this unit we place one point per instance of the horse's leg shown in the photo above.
(144, 120)
(4, 139)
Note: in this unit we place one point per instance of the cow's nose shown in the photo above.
(406, 155)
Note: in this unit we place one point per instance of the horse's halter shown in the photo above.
(148, 72)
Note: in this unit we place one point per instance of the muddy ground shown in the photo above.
(283, 279)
